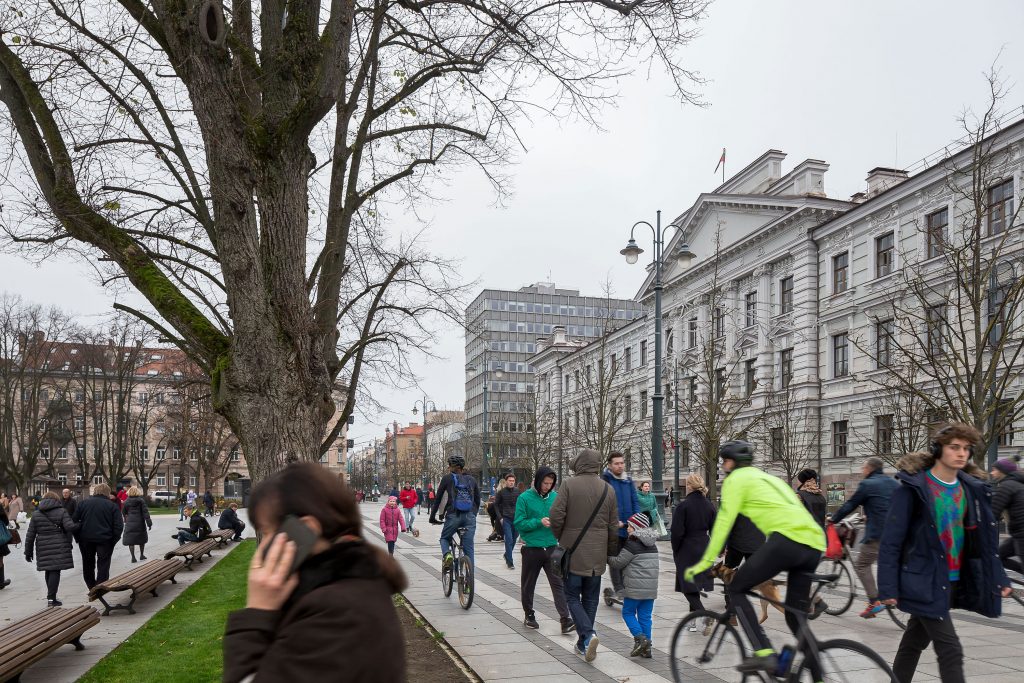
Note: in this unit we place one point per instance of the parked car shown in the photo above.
(165, 497)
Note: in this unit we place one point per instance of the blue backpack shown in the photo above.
(463, 494)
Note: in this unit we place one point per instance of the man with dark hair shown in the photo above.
(229, 520)
(457, 501)
(939, 551)
(873, 494)
(628, 502)
(100, 525)
(505, 504)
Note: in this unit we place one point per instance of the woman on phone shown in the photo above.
(298, 624)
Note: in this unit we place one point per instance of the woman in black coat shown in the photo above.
(691, 528)
(4, 550)
(136, 523)
(49, 536)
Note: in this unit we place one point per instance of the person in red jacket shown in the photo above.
(408, 499)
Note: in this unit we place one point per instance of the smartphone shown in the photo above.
(300, 534)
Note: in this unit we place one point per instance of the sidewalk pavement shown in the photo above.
(27, 595)
(493, 641)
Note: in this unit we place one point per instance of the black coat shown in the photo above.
(48, 538)
(229, 519)
(198, 525)
(1009, 498)
(136, 522)
(70, 504)
(691, 528)
(505, 502)
(815, 503)
(99, 520)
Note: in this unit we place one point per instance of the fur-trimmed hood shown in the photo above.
(920, 461)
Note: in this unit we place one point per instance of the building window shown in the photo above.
(643, 352)
(79, 424)
(883, 434)
(840, 431)
(670, 340)
(62, 478)
(691, 329)
(936, 236)
(883, 343)
(720, 384)
(627, 358)
(786, 294)
(627, 408)
(1004, 416)
(177, 480)
(97, 479)
(750, 375)
(143, 453)
(693, 390)
(62, 453)
(161, 480)
(885, 251)
(778, 443)
(718, 322)
(1000, 207)
(577, 421)
(176, 454)
(935, 328)
(750, 308)
(161, 453)
(841, 355)
(643, 405)
(786, 367)
(840, 272)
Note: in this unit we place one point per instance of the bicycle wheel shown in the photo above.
(898, 617)
(465, 582)
(448, 579)
(839, 594)
(844, 661)
(712, 651)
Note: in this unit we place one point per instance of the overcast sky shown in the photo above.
(857, 84)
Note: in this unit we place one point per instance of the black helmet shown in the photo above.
(741, 452)
(456, 461)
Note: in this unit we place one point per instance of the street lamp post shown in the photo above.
(426, 404)
(498, 373)
(675, 437)
(632, 252)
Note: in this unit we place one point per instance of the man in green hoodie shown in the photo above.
(534, 527)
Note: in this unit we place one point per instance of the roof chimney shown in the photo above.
(558, 337)
(881, 179)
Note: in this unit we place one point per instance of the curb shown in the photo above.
(448, 649)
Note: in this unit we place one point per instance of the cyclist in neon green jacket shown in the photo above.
(795, 543)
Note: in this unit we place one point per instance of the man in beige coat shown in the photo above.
(576, 501)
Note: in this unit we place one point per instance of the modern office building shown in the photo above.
(502, 331)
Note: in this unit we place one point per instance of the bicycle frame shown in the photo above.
(806, 642)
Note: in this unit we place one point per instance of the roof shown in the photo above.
(41, 354)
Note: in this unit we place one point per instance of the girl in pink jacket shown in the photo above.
(391, 521)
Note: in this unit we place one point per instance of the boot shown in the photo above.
(638, 646)
(4, 582)
(531, 620)
(568, 625)
(645, 652)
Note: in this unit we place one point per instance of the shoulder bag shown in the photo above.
(562, 558)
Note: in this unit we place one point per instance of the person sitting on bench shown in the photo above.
(198, 527)
(229, 520)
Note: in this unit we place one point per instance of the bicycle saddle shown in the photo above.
(823, 578)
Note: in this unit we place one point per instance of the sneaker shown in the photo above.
(54, 603)
(134, 560)
(645, 652)
(510, 565)
(568, 625)
(692, 628)
(448, 561)
(709, 625)
(592, 649)
(142, 557)
(818, 608)
(531, 620)
(7, 582)
(755, 663)
(872, 609)
(638, 646)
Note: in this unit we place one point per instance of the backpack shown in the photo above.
(463, 498)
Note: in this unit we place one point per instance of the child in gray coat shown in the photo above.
(638, 561)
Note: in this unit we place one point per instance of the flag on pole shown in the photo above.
(721, 161)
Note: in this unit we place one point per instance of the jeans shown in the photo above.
(95, 561)
(617, 583)
(1009, 548)
(778, 554)
(533, 561)
(638, 615)
(52, 583)
(452, 523)
(186, 537)
(920, 632)
(511, 536)
(863, 566)
(582, 593)
(181, 512)
(410, 517)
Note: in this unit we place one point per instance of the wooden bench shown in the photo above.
(143, 579)
(29, 640)
(193, 552)
(222, 536)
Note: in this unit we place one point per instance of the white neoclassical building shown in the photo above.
(772, 331)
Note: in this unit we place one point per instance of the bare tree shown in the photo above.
(788, 432)
(951, 330)
(236, 165)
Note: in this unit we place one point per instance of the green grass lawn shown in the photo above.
(183, 641)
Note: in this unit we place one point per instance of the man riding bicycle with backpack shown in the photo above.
(795, 543)
(458, 500)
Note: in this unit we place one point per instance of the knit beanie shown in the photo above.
(806, 475)
(1006, 465)
(392, 499)
(640, 520)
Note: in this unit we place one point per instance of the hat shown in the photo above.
(392, 499)
(640, 520)
(806, 475)
(1006, 465)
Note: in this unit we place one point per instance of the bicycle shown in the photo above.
(715, 649)
(460, 573)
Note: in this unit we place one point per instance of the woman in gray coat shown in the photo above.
(49, 539)
(136, 523)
